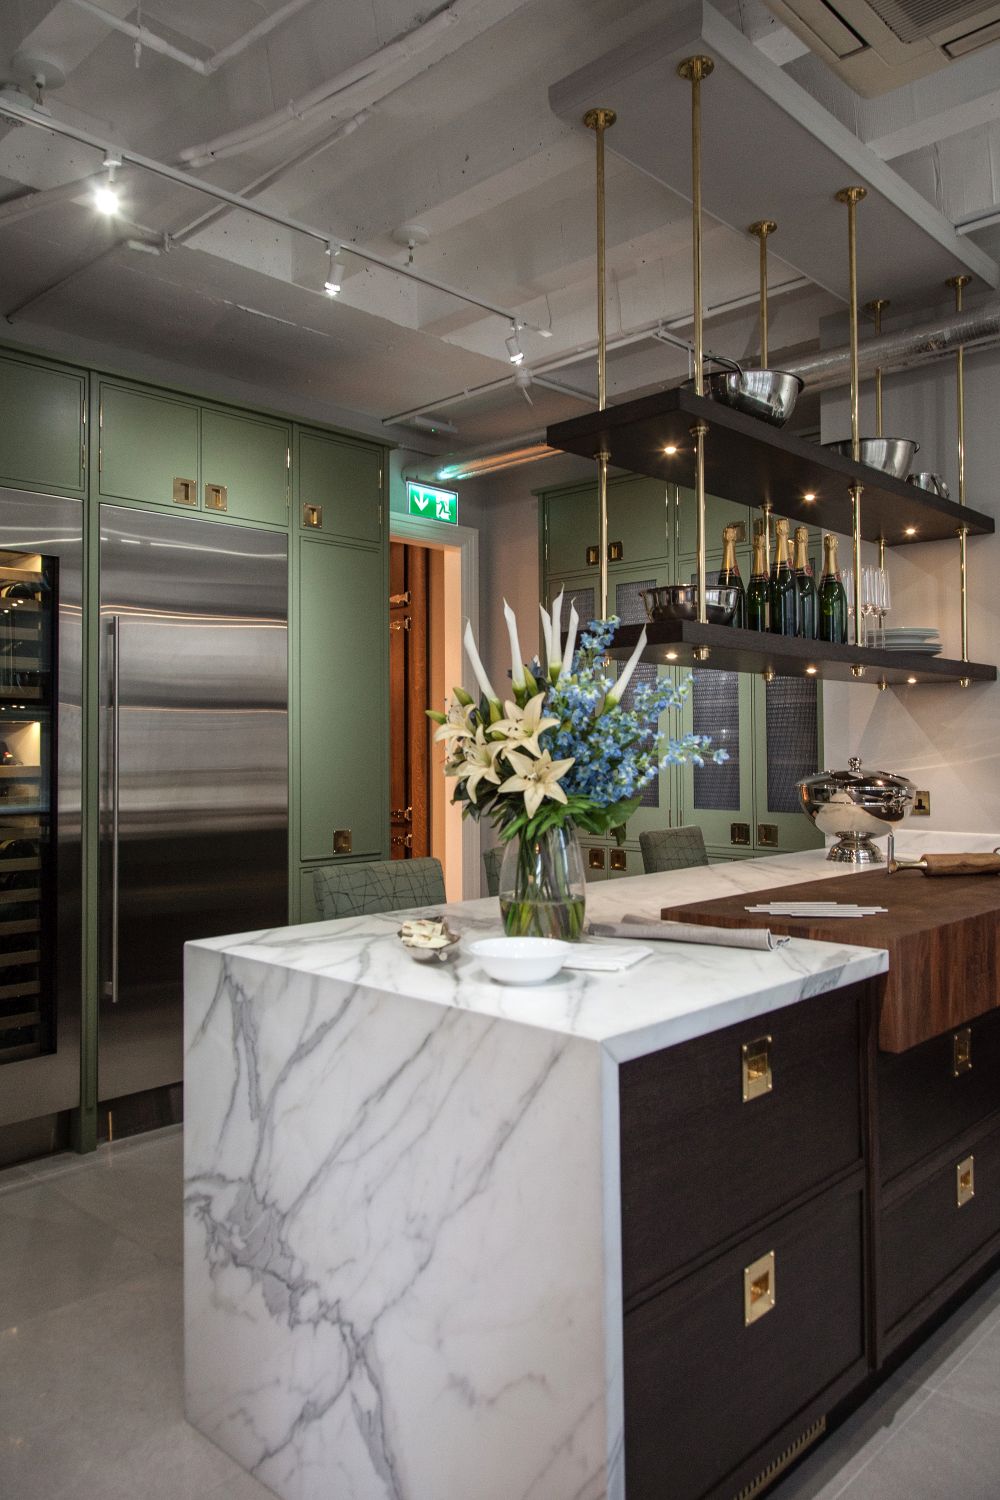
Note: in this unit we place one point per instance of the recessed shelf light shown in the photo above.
(809, 497)
(670, 449)
(671, 656)
(910, 531)
(911, 681)
(810, 671)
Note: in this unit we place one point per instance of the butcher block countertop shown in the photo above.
(941, 934)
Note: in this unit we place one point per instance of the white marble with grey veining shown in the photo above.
(402, 1259)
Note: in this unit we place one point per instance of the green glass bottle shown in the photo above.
(729, 576)
(759, 590)
(783, 596)
(832, 598)
(806, 586)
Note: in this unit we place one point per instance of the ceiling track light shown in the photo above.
(335, 271)
(514, 351)
(106, 196)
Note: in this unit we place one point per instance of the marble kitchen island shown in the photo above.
(403, 1259)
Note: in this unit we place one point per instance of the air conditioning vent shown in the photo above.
(876, 45)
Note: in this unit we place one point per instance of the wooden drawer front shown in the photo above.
(923, 1103)
(704, 1392)
(927, 1238)
(700, 1165)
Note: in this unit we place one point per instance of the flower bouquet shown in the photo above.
(571, 748)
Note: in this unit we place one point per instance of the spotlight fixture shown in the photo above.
(910, 531)
(810, 671)
(671, 656)
(335, 271)
(912, 681)
(514, 351)
(106, 196)
(670, 449)
(809, 496)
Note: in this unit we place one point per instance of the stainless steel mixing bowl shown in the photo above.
(679, 601)
(768, 394)
(855, 805)
(933, 482)
(891, 455)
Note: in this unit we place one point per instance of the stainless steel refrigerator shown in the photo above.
(194, 767)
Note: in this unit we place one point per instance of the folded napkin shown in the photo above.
(604, 958)
(821, 909)
(759, 938)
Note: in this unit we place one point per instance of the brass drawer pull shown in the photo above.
(758, 1289)
(185, 492)
(616, 551)
(619, 859)
(342, 841)
(767, 835)
(595, 859)
(961, 1051)
(216, 497)
(965, 1181)
(593, 557)
(756, 1063)
(739, 833)
(312, 515)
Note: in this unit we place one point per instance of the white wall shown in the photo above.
(946, 739)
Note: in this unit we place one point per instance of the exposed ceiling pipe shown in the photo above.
(825, 370)
(27, 116)
(36, 200)
(335, 95)
(205, 66)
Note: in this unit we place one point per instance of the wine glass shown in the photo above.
(869, 600)
(885, 600)
(847, 579)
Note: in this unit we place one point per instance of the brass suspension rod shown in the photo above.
(958, 283)
(600, 120)
(875, 308)
(762, 229)
(852, 196)
(694, 69)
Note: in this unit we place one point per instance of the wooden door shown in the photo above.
(409, 733)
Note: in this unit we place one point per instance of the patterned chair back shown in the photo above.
(672, 849)
(384, 885)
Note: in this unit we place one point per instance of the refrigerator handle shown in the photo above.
(115, 745)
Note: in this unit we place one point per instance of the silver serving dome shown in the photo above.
(854, 805)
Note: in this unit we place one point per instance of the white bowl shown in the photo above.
(520, 960)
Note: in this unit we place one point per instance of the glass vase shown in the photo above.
(543, 890)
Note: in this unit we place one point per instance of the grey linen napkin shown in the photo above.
(760, 938)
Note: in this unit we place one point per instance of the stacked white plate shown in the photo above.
(919, 639)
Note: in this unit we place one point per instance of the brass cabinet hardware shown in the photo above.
(756, 1068)
(739, 833)
(397, 601)
(961, 1051)
(397, 625)
(402, 841)
(595, 859)
(401, 815)
(593, 556)
(767, 835)
(758, 1289)
(965, 1181)
(185, 492)
(216, 497)
(619, 859)
(616, 551)
(342, 841)
(312, 515)
(921, 807)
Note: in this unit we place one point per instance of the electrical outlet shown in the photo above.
(921, 805)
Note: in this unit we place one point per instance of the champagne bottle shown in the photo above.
(783, 597)
(832, 598)
(806, 586)
(759, 590)
(729, 577)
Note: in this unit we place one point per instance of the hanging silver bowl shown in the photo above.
(934, 483)
(891, 455)
(768, 394)
(679, 601)
(855, 806)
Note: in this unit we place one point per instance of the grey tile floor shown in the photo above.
(90, 1359)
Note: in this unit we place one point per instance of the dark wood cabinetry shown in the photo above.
(797, 1205)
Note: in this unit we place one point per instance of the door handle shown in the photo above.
(115, 788)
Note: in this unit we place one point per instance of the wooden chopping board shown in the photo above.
(941, 934)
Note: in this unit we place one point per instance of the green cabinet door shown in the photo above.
(42, 444)
(245, 466)
(718, 513)
(787, 741)
(569, 532)
(148, 447)
(340, 486)
(719, 798)
(638, 520)
(342, 686)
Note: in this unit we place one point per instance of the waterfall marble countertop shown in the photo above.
(402, 1200)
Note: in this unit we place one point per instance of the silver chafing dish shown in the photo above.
(855, 805)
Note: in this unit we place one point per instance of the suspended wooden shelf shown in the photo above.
(674, 643)
(750, 461)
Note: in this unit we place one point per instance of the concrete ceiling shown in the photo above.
(459, 137)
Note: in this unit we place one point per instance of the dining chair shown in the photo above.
(383, 885)
(672, 849)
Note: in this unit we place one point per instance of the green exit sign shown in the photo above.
(432, 504)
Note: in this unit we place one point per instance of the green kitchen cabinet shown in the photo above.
(245, 466)
(149, 442)
(339, 486)
(43, 433)
(342, 691)
(787, 740)
(720, 798)
(639, 516)
(718, 513)
(569, 532)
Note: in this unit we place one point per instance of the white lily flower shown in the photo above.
(486, 687)
(615, 695)
(522, 726)
(555, 651)
(478, 763)
(571, 630)
(546, 633)
(457, 726)
(537, 779)
(516, 662)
